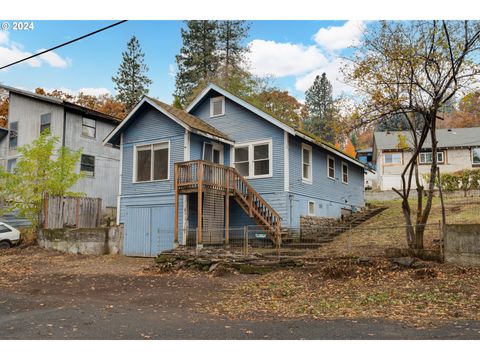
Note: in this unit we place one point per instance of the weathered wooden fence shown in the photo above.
(71, 212)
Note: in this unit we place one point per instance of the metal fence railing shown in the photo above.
(329, 241)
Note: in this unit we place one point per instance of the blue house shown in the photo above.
(219, 165)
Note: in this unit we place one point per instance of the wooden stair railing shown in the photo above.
(230, 181)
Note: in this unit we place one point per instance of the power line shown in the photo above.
(64, 44)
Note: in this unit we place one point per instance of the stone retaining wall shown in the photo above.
(462, 244)
(96, 241)
(313, 227)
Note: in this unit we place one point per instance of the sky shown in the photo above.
(290, 52)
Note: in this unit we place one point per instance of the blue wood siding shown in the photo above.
(330, 195)
(244, 126)
(150, 126)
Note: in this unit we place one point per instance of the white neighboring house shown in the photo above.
(458, 149)
(77, 127)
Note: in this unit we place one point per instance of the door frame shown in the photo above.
(215, 146)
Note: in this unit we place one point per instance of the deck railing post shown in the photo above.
(227, 206)
(175, 221)
(200, 207)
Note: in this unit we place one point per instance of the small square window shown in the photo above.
(217, 106)
(87, 165)
(311, 208)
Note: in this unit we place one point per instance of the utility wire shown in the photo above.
(64, 44)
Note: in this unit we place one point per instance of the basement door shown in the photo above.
(148, 230)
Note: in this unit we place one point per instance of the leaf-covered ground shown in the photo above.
(346, 289)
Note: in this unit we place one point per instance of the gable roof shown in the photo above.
(67, 104)
(277, 122)
(186, 120)
(447, 138)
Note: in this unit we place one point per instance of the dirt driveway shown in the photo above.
(49, 295)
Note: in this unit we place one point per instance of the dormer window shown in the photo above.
(217, 106)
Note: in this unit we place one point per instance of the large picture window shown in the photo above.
(254, 160)
(306, 163)
(151, 162)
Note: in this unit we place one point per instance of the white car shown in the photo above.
(9, 236)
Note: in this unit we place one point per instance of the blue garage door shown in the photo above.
(148, 230)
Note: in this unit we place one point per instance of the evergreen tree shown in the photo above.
(232, 52)
(321, 108)
(132, 82)
(198, 59)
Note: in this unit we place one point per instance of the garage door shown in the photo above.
(148, 230)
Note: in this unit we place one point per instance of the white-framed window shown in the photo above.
(152, 162)
(392, 158)
(344, 172)
(217, 106)
(89, 128)
(87, 165)
(254, 160)
(426, 157)
(307, 163)
(331, 167)
(476, 156)
(311, 208)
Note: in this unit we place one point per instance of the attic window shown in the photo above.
(217, 106)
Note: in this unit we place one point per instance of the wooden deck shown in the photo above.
(201, 176)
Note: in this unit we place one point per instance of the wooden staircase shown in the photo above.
(200, 176)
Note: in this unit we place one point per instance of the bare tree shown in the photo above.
(414, 69)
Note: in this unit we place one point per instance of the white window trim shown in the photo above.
(473, 149)
(135, 154)
(251, 165)
(212, 100)
(430, 152)
(393, 163)
(308, 179)
(314, 207)
(328, 167)
(348, 172)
